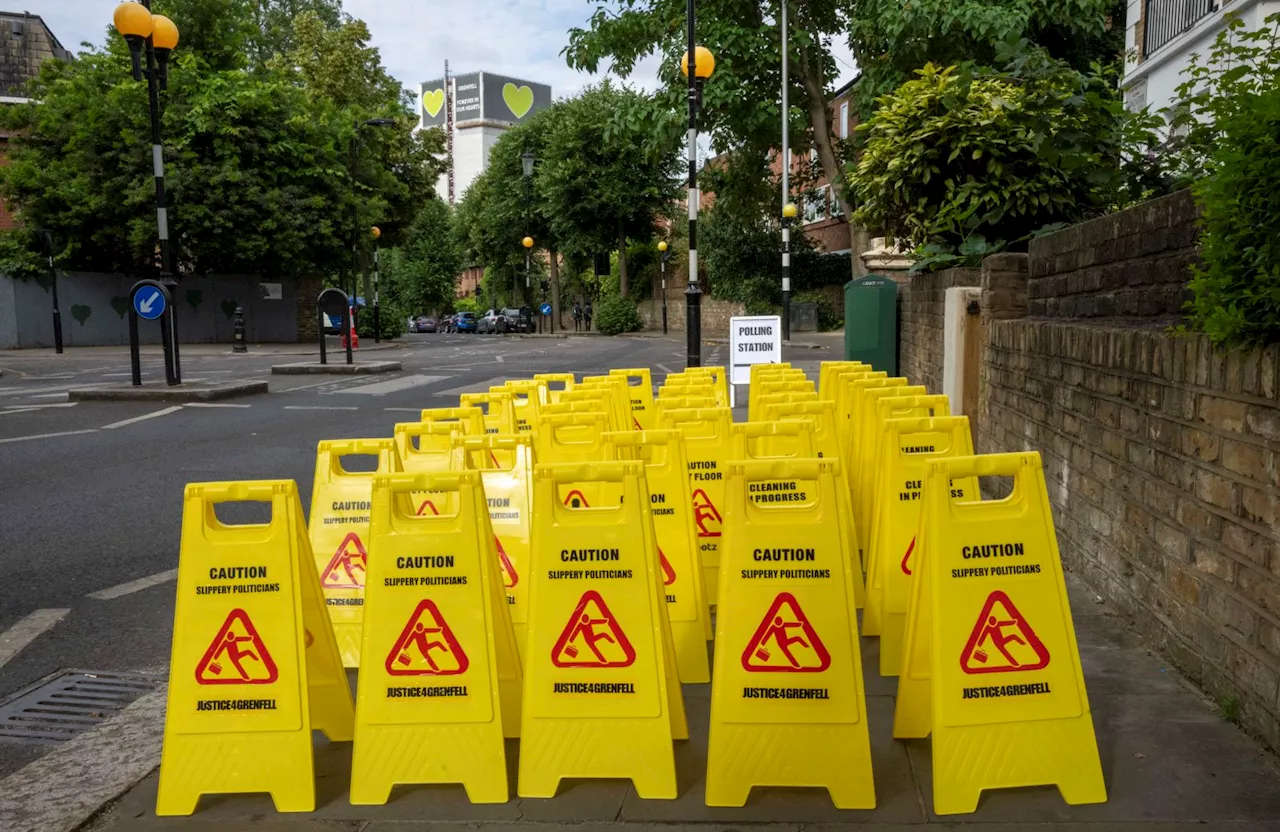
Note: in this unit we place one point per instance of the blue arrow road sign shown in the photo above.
(545, 309)
(149, 303)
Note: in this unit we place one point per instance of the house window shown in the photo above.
(1164, 20)
(836, 209)
(844, 120)
(815, 206)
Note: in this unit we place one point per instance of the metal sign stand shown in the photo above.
(150, 300)
(334, 303)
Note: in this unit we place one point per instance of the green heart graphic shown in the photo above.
(194, 298)
(81, 312)
(121, 305)
(519, 99)
(229, 308)
(433, 100)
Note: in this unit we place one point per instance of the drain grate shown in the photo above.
(69, 703)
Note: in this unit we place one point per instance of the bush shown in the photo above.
(614, 315)
(1232, 122)
(468, 304)
(965, 161)
(830, 315)
(392, 321)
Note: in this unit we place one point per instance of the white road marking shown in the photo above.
(26, 631)
(131, 587)
(395, 385)
(143, 417)
(13, 408)
(403, 409)
(47, 435)
(478, 387)
(216, 404)
(312, 386)
(316, 407)
(48, 396)
(500, 359)
(664, 368)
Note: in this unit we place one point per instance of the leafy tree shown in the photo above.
(424, 269)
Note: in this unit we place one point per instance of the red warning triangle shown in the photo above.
(906, 570)
(705, 515)
(427, 504)
(426, 631)
(785, 641)
(592, 638)
(576, 499)
(509, 576)
(346, 569)
(1002, 641)
(668, 574)
(236, 656)
(636, 423)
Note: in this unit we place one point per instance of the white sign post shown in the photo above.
(756, 339)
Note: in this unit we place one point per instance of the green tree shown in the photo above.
(425, 267)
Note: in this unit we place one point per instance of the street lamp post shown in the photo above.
(355, 220)
(526, 162)
(157, 36)
(698, 64)
(787, 205)
(662, 247)
(527, 242)
(788, 214)
(377, 328)
(53, 288)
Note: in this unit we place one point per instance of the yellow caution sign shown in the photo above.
(718, 377)
(565, 380)
(619, 392)
(527, 398)
(254, 667)
(604, 398)
(682, 581)
(847, 388)
(707, 448)
(859, 473)
(908, 446)
(640, 393)
(1009, 702)
(508, 491)
(339, 532)
(819, 419)
(499, 415)
(766, 402)
(869, 435)
(690, 402)
(436, 631)
(829, 371)
(787, 704)
(601, 695)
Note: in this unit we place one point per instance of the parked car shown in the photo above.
(490, 323)
(464, 322)
(514, 321)
(422, 323)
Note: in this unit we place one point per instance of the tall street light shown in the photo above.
(351, 175)
(698, 64)
(157, 36)
(376, 232)
(662, 249)
(526, 162)
(527, 242)
(786, 187)
(788, 214)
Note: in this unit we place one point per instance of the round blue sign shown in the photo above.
(545, 309)
(149, 303)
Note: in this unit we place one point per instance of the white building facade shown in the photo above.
(1162, 35)
(484, 106)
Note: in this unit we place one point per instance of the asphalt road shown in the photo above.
(91, 493)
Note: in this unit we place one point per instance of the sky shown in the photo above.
(518, 38)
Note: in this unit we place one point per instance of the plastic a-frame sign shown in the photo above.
(788, 674)
(909, 445)
(339, 532)
(858, 471)
(819, 418)
(671, 512)
(573, 438)
(870, 438)
(707, 448)
(527, 398)
(565, 380)
(718, 377)
(440, 680)
(602, 695)
(466, 419)
(508, 491)
(829, 371)
(640, 392)
(254, 666)
(1007, 700)
(499, 417)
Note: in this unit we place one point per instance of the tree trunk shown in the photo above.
(555, 289)
(622, 261)
(810, 72)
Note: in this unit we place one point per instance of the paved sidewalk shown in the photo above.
(1171, 764)
(186, 350)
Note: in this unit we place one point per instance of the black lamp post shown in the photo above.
(666, 255)
(351, 175)
(526, 162)
(698, 64)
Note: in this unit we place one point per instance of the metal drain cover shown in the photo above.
(69, 703)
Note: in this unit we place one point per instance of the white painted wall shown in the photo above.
(956, 321)
(1153, 82)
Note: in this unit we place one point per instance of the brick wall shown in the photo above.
(920, 312)
(715, 314)
(1160, 452)
(309, 288)
(1132, 264)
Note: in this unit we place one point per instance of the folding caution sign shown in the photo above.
(858, 470)
(339, 532)
(1008, 696)
(499, 417)
(640, 393)
(830, 371)
(706, 443)
(602, 696)
(683, 403)
(577, 437)
(254, 667)
(907, 447)
(670, 507)
(508, 491)
(787, 704)
(527, 398)
(606, 398)
(439, 675)
(565, 380)
(719, 379)
(870, 437)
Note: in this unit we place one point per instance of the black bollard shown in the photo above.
(237, 339)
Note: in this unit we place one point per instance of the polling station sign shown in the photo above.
(754, 339)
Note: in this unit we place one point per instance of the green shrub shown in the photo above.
(1232, 134)
(467, 304)
(392, 322)
(830, 315)
(614, 315)
(967, 160)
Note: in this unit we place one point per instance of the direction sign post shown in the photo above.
(150, 300)
(334, 303)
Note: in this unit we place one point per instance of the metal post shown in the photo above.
(693, 294)
(346, 327)
(135, 359)
(323, 321)
(376, 317)
(53, 288)
(166, 341)
(173, 364)
(786, 179)
(664, 293)
(237, 338)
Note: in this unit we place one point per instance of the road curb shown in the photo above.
(363, 368)
(192, 392)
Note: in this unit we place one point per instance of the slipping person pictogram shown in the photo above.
(705, 515)
(347, 567)
(785, 641)
(237, 655)
(1002, 641)
(592, 638)
(425, 632)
